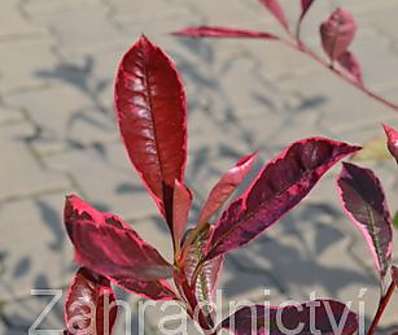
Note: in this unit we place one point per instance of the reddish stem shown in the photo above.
(301, 47)
(384, 301)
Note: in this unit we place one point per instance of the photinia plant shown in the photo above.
(336, 33)
(365, 203)
(151, 109)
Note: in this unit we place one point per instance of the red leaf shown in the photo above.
(222, 32)
(325, 317)
(280, 186)
(107, 245)
(182, 205)
(392, 140)
(225, 187)
(151, 109)
(155, 289)
(365, 204)
(337, 33)
(275, 8)
(305, 6)
(351, 64)
(90, 305)
(394, 274)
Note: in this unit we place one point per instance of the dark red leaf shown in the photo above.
(107, 245)
(280, 186)
(392, 140)
(225, 187)
(365, 204)
(90, 307)
(222, 32)
(337, 33)
(324, 317)
(182, 205)
(351, 64)
(155, 289)
(276, 9)
(394, 274)
(151, 109)
(305, 6)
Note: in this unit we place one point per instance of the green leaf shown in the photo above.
(395, 220)
(374, 150)
(209, 273)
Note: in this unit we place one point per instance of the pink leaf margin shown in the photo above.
(81, 218)
(222, 32)
(349, 62)
(161, 191)
(226, 186)
(182, 202)
(219, 243)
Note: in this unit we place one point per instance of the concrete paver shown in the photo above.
(21, 173)
(58, 135)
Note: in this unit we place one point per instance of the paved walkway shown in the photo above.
(57, 135)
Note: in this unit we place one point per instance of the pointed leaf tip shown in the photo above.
(182, 202)
(226, 186)
(104, 243)
(279, 187)
(364, 202)
(151, 110)
(305, 6)
(392, 140)
(277, 11)
(351, 64)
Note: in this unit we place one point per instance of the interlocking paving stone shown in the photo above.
(105, 177)
(66, 114)
(101, 34)
(58, 135)
(369, 7)
(3, 327)
(9, 115)
(38, 253)
(13, 24)
(166, 13)
(370, 46)
(307, 253)
(21, 173)
(21, 315)
(21, 59)
(330, 96)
